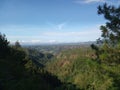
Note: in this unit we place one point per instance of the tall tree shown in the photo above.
(4, 49)
(110, 31)
(109, 51)
(17, 44)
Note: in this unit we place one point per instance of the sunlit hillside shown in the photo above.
(78, 67)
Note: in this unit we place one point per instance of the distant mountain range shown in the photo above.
(62, 43)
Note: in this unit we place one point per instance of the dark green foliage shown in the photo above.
(4, 49)
(40, 58)
(111, 31)
(68, 86)
(17, 44)
(109, 50)
(18, 72)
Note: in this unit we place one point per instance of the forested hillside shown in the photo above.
(78, 66)
(19, 72)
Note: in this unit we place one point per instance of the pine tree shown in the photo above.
(4, 49)
(17, 44)
(109, 51)
(110, 31)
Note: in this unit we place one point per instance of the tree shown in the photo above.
(4, 48)
(109, 51)
(111, 31)
(17, 44)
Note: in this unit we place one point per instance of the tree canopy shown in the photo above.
(110, 31)
(4, 49)
(109, 51)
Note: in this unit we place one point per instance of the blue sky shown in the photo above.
(51, 21)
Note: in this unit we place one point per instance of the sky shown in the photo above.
(51, 21)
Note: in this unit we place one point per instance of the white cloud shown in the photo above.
(110, 2)
(22, 37)
(35, 41)
(88, 1)
(113, 2)
(59, 26)
(52, 41)
(85, 33)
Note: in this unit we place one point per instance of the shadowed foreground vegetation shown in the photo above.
(19, 72)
